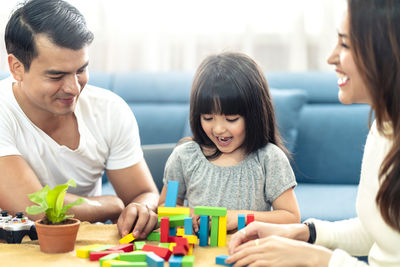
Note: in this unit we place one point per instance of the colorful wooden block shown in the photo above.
(154, 236)
(164, 229)
(168, 211)
(171, 246)
(172, 194)
(125, 247)
(112, 256)
(164, 245)
(179, 250)
(172, 231)
(139, 245)
(188, 261)
(175, 261)
(210, 211)
(241, 221)
(188, 223)
(83, 252)
(127, 239)
(135, 256)
(154, 261)
(249, 218)
(220, 260)
(96, 255)
(180, 231)
(214, 231)
(190, 251)
(172, 239)
(183, 242)
(222, 231)
(118, 263)
(192, 239)
(161, 252)
(204, 230)
(101, 248)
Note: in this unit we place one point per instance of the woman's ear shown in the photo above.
(16, 67)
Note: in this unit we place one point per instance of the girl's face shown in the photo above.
(351, 87)
(227, 132)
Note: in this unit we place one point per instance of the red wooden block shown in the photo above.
(179, 250)
(250, 218)
(96, 255)
(164, 230)
(164, 253)
(172, 239)
(181, 241)
(125, 247)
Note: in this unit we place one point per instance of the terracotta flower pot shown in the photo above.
(57, 238)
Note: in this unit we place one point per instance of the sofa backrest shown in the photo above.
(331, 136)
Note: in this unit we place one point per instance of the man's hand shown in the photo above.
(138, 219)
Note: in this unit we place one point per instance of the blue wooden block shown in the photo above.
(175, 261)
(241, 221)
(172, 231)
(154, 260)
(203, 231)
(220, 260)
(188, 226)
(172, 194)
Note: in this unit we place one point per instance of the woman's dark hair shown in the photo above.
(233, 84)
(62, 23)
(375, 39)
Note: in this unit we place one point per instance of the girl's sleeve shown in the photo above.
(344, 237)
(174, 171)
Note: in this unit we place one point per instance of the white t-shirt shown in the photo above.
(109, 138)
(368, 234)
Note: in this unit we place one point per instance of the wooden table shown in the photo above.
(28, 252)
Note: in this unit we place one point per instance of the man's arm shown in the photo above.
(136, 187)
(17, 180)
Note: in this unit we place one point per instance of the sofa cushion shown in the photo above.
(288, 104)
(330, 143)
(330, 202)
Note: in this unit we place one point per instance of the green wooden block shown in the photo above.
(175, 220)
(214, 231)
(163, 245)
(102, 248)
(139, 245)
(137, 256)
(112, 256)
(154, 236)
(210, 211)
(188, 261)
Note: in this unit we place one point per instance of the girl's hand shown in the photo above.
(279, 251)
(257, 230)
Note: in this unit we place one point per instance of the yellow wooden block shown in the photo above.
(171, 246)
(127, 239)
(168, 211)
(111, 263)
(192, 239)
(84, 252)
(190, 251)
(180, 232)
(222, 231)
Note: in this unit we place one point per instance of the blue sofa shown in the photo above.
(326, 138)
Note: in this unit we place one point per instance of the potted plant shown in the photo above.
(57, 231)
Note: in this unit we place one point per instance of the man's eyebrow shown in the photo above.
(58, 72)
(342, 35)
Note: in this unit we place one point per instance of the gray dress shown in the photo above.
(252, 184)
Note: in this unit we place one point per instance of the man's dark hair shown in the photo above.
(62, 23)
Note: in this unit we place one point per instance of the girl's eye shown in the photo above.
(232, 119)
(344, 45)
(206, 118)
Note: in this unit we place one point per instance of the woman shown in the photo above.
(367, 61)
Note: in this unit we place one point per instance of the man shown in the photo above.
(53, 127)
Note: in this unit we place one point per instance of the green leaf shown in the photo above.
(35, 209)
(39, 197)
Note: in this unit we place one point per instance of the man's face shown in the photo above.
(54, 81)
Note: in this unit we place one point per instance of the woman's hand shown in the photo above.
(279, 251)
(257, 230)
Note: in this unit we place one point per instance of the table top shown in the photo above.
(28, 252)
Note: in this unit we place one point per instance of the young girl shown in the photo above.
(367, 61)
(235, 158)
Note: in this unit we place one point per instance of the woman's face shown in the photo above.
(352, 88)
